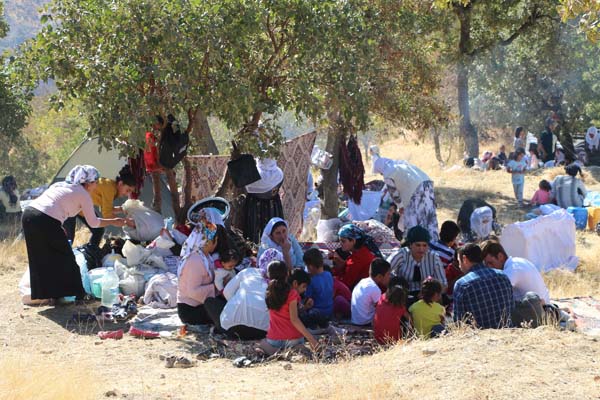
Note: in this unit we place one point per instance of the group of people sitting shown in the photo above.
(290, 295)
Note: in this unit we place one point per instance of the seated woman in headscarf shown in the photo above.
(276, 236)
(417, 261)
(362, 251)
(53, 271)
(568, 190)
(196, 273)
(592, 139)
(244, 314)
(10, 206)
(263, 201)
(410, 188)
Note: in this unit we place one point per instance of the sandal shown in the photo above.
(179, 362)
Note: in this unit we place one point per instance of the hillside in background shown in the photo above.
(23, 17)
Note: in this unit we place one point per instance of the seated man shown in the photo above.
(417, 262)
(484, 296)
(529, 290)
(367, 292)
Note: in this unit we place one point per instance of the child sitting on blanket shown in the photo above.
(391, 313)
(367, 292)
(318, 305)
(427, 313)
(286, 330)
(542, 195)
(224, 268)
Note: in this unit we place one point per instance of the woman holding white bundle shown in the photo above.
(52, 267)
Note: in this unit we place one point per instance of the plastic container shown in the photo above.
(581, 216)
(110, 288)
(83, 270)
(95, 277)
(593, 217)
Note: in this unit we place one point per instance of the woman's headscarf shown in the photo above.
(592, 138)
(351, 231)
(266, 258)
(203, 231)
(210, 214)
(270, 176)
(81, 174)
(267, 243)
(9, 184)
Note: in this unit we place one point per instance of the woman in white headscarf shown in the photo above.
(196, 273)
(276, 236)
(244, 313)
(592, 139)
(263, 201)
(411, 189)
(52, 267)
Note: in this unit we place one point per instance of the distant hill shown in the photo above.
(23, 17)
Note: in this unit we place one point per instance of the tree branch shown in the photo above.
(529, 23)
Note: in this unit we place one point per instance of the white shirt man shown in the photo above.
(524, 276)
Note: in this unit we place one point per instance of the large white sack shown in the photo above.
(148, 223)
(547, 241)
(368, 206)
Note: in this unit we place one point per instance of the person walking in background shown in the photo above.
(517, 168)
(548, 140)
(519, 141)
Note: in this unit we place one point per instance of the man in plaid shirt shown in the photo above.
(484, 296)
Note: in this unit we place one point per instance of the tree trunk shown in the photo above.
(467, 130)
(203, 144)
(329, 209)
(203, 140)
(435, 134)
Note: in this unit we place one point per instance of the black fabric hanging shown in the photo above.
(352, 169)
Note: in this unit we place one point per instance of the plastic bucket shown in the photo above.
(593, 217)
(581, 216)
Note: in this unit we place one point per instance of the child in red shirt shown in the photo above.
(285, 327)
(389, 313)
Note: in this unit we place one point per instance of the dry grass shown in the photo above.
(25, 377)
(44, 357)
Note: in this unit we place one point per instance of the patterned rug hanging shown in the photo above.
(352, 169)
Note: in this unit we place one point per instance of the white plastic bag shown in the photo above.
(135, 254)
(327, 230)
(321, 158)
(148, 223)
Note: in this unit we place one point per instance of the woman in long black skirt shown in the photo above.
(52, 267)
(263, 201)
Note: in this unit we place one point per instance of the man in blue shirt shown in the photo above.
(484, 296)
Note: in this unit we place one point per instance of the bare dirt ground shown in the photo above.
(42, 356)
